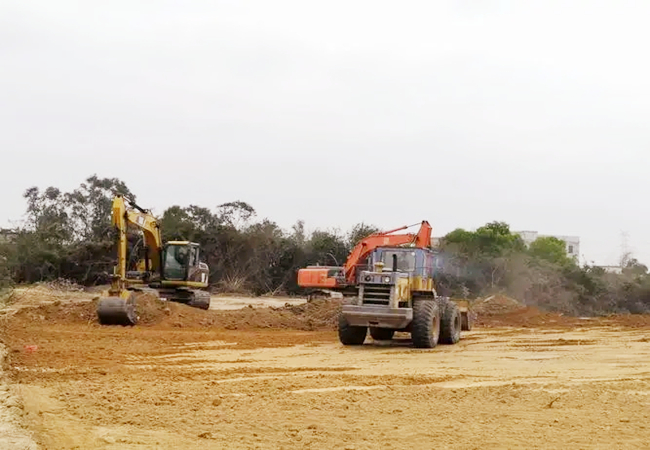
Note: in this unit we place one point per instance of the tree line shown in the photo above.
(68, 235)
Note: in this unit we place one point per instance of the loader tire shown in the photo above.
(425, 327)
(350, 335)
(381, 334)
(450, 323)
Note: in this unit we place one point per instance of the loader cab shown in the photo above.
(396, 275)
(412, 261)
(401, 260)
(181, 263)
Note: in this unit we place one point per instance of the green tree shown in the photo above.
(89, 206)
(550, 249)
(496, 240)
(327, 248)
(360, 231)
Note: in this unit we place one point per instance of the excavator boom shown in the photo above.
(147, 223)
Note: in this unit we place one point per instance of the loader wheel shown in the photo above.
(425, 327)
(450, 324)
(349, 335)
(381, 334)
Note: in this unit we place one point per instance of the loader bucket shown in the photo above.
(465, 321)
(466, 315)
(117, 311)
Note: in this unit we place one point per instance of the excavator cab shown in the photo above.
(181, 263)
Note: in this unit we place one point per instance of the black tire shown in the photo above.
(450, 323)
(425, 327)
(382, 334)
(349, 335)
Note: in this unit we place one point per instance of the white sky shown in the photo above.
(458, 112)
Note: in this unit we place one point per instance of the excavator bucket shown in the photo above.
(115, 310)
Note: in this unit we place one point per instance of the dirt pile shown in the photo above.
(315, 315)
(496, 305)
(46, 293)
(529, 317)
(502, 311)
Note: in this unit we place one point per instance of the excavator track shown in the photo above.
(117, 311)
(195, 298)
(200, 299)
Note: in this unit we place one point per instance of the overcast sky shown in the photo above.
(536, 113)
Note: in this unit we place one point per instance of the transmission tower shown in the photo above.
(625, 248)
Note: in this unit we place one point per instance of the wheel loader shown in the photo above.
(171, 270)
(387, 283)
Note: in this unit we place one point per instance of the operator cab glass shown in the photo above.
(175, 262)
(406, 261)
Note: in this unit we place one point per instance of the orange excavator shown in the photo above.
(388, 280)
(345, 278)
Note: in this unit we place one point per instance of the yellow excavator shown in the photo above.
(171, 270)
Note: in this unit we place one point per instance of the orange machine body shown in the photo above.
(321, 276)
(328, 277)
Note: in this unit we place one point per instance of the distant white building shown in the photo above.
(612, 269)
(572, 242)
(6, 235)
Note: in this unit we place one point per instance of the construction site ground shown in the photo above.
(274, 378)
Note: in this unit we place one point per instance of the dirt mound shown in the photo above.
(502, 311)
(42, 293)
(496, 305)
(529, 317)
(314, 315)
(318, 314)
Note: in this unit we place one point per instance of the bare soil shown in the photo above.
(273, 378)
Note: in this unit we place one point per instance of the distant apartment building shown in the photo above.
(572, 242)
(6, 235)
(612, 269)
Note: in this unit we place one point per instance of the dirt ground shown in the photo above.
(273, 378)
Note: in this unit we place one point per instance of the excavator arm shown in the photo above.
(122, 217)
(325, 277)
(119, 306)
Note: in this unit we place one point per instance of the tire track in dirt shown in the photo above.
(12, 435)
